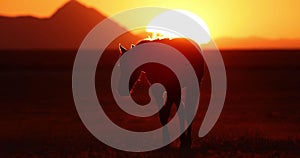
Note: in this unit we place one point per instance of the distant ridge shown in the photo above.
(257, 43)
(65, 29)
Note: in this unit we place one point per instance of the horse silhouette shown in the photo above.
(158, 73)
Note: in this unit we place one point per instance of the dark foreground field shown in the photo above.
(261, 115)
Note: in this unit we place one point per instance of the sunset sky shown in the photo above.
(273, 19)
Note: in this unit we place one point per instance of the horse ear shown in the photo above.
(132, 45)
(122, 49)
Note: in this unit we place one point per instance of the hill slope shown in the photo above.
(65, 29)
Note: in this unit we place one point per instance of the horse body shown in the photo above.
(158, 73)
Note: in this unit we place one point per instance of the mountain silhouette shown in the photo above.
(65, 29)
(257, 43)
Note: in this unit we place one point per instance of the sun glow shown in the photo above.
(178, 23)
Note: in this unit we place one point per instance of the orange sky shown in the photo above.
(235, 18)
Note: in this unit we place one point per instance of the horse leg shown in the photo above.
(188, 117)
(164, 114)
(185, 138)
(176, 99)
(158, 95)
(181, 116)
(189, 136)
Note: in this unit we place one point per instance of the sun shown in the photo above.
(187, 24)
